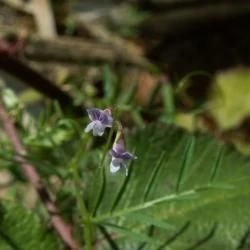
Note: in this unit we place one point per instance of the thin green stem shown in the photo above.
(84, 214)
(101, 168)
(85, 218)
(107, 145)
(183, 84)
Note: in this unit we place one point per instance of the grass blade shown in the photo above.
(109, 85)
(168, 103)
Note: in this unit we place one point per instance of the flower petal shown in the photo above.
(94, 113)
(114, 169)
(109, 122)
(106, 118)
(115, 165)
(119, 147)
(110, 118)
(98, 128)
(113, 153)
(89, 127)
(126, 170)
(127, 156)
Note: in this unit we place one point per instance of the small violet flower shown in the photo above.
(100, 119)
(119, 157)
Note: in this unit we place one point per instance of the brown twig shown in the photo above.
(63, 229)
(32, 78)
(80, 50)
(42, 12)
(45, 21)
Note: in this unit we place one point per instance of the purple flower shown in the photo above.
(100, 119)
(120, 157)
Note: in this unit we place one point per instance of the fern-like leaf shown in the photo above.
(212, 184)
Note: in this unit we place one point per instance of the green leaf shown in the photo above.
(30, 96)
(188, 154)
(230, 104)
(168, 102)
(21, 229)
(213, 193)
(110, 84)
(147, 219)
(131, 234)
(108, 238)
(127, 96)
(51, 137)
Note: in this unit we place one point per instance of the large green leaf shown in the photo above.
(193, 189)
(20, 229)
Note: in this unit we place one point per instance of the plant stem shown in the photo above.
(85, 218)
(84, 214)
(101, 168)
(107, 145)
